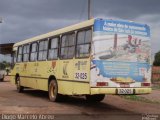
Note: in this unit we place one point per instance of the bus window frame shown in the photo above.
(13, 59)
(33, 52)
(20, 54)
(90, 43)
(68, 33)
(45, 39)
(58, 47)
(26, 53)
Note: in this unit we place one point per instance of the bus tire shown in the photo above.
(54, 96)
(18, 84)
(95, 98)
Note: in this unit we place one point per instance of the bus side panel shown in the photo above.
(28, 74)
(65, 74)
(82, 76)
(74, 76)
(42, 84)
(81, 88)
(73, 88)
(45, 69)
(65, 88)
(28, 82)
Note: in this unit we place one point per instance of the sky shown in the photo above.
(22, 19)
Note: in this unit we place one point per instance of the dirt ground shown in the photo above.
(36, 102)
(154, 97)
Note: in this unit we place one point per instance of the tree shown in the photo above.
(4, 65)
(157, 59)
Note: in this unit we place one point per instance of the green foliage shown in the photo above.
(4, 65)
(156, 87)
(157, 59)
(139, 98)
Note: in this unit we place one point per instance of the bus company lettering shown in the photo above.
(25, 67)
(65, 69)
(53, 64)
(65, 73)
(124, 28)
(36, 64)
(81, 65)
(120, 25)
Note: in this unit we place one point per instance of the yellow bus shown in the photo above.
(92, 58)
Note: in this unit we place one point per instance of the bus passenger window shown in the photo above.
(83, 43)
(53, 49)
(43, 47)
(26, 53)
(33, 54)
(14, 57)
(68, 46)
(19, 56)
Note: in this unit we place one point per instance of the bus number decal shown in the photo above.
(80, 75)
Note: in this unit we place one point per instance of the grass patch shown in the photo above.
(156, 87)
(156, 80)
(138, 98)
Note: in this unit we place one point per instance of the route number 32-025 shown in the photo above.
(81, 75)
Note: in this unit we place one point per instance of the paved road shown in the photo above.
(36, 102)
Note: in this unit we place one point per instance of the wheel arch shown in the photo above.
(51, 77)
(16, 76)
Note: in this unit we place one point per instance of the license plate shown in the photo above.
(124, 91)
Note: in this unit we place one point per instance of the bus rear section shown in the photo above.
(121, 58)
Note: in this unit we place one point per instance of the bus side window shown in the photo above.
(14, 57)
(26, 53)
(19, 54)
(67, 46)
(53, 48)
(34, 51)
(83, 43)
(43, 48)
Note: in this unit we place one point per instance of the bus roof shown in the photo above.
(57, 32)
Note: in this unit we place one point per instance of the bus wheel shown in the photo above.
(95, 98)
(19, 87)
(53, 91)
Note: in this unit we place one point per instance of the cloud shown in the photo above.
(153, 21)
(126, 9)
(40, 9)
(19, 29)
